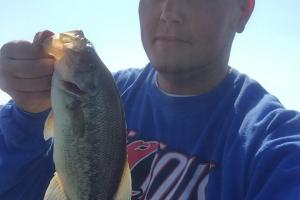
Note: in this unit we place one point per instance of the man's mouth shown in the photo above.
(171, 39)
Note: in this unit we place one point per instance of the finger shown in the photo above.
(28, 85)
(40, 37)
(22, 50)
(32, 102)
(27, 68)
(30, 96)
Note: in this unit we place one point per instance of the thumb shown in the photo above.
(40, 37)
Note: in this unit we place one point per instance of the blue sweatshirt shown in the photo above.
(235, 142)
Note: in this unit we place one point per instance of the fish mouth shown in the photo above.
(73, 88)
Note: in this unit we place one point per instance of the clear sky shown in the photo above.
(268, 50)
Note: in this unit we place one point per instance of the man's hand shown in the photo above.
(26, 73)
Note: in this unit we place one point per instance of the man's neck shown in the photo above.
(192, 83)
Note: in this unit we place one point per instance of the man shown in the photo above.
(198, 129)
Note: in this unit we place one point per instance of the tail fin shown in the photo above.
(124, 190)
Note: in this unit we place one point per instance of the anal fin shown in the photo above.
(55, 190)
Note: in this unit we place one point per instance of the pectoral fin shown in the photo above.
(124, 190)
(55, 190)
(49, 126)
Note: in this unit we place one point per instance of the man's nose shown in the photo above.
(171, 11)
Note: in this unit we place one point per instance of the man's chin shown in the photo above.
(167, 69)
(171, 68)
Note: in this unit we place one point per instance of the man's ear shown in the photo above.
(246, 7)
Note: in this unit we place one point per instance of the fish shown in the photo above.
(86, 123)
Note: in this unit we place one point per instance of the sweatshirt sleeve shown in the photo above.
(125, 78)
(26, 164)
(275, 171)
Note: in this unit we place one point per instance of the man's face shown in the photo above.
(183, 35)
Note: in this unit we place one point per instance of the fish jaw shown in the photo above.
(76, 62)
(78, 73)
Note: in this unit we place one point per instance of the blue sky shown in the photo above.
(268, 50)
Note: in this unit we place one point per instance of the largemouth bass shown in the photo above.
(87, 125)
